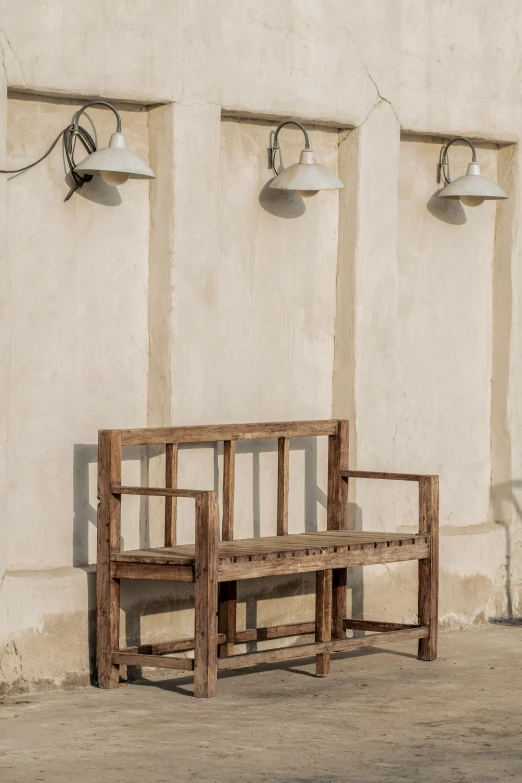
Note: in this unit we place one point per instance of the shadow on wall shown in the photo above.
(96, 191)
(85, 513)
(281, 203)
(448, 210)
(504, 494)
(144, 599)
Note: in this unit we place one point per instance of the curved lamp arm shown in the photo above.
(443, 172)
(76, 117)
(70, 135)
(275, 142)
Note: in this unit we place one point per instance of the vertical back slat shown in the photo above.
(334, 478)
(283, 451)
(171, 482)
(229, 467)
(344, 464)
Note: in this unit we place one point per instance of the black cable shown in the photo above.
(69, 135)
(69, 142)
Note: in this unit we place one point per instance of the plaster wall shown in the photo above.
(79, 340)
(202, 299)
(444, 336)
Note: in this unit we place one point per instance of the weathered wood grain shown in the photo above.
(161, 492)
(306, 650)
(297, 565)
(156, 661)
(429, 567)
(155, 571)
(171, 482)
(210, 433)
(283, 462)
(163, 648)
(229, 472)
(216, 566)
(274, 632)
(344, 459)
(297, 543)
(108, 534)
(206, 595)
(339, 521)
(323, 619)
(375, 625)
(228, 590)
(334, 483)
(371, 474)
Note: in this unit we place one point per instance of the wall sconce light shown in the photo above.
(473, 188)
(115, 164)
(306, 177)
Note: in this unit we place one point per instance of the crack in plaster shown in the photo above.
(380, 96)
(198, 103)
(5, 40)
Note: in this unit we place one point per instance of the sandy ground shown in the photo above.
(381, 716)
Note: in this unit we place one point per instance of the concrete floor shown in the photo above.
(381, 716)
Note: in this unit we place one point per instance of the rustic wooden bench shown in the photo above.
(215, 566)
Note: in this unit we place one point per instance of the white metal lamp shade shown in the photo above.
(473, 185)
(473, 188)
(115, 164)
(307, 177)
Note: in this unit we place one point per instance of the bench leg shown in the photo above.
(107, 626)
(227, 616)
(323, 619)
(428, 612)
(206, 597)
(429, 567)
(339, 583)
(107, 588)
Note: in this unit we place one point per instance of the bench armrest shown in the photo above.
(428, 496)
(371, 474)
(207, 517)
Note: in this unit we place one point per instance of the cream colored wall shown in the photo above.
(274, 338)
(191, 302)
(79, 341)
(258, 346)
(444, 336)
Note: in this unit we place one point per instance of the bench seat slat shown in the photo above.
(300, 544)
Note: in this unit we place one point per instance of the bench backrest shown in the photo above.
(335, 429)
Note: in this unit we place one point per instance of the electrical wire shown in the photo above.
(69, 134)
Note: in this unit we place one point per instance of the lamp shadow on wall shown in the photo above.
(145, 599)
(285, 204)
(97, 191)
(505, 494)
(446, 209)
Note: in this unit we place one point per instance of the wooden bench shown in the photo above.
(215, 566)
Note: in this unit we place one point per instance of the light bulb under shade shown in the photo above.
(307, 177)
(117, 160)
(473, 188)
(472, 201)
(114, 178)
